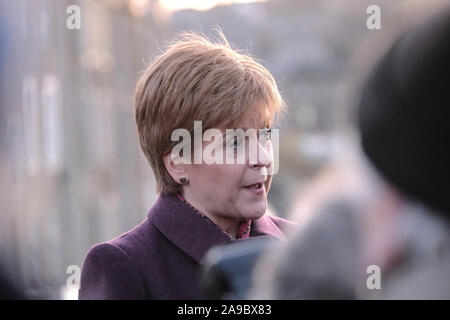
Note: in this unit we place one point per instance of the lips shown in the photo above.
(256, 188)
(255, 185)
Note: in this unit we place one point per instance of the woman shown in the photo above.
(201, 205)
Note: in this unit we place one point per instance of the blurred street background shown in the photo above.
(71, 171)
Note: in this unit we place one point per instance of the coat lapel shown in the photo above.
(195, 234)
(265, 226)
(185, 228)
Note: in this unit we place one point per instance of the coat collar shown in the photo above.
(195, 234)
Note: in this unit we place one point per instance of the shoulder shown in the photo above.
(109, 273)
(136, 239)
(111, 270)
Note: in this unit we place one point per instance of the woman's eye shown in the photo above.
(234, 144)
(267, 134)
(237, 144)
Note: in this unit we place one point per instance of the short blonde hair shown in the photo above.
(197, 79)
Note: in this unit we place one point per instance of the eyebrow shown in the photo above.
(245, 129)
(224, 134)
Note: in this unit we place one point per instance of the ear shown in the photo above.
(175, 167)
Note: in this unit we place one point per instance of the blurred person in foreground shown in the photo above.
(378, 222)
(200, 205)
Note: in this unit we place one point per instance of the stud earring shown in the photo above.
(184, 180)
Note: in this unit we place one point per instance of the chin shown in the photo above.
(255, 211)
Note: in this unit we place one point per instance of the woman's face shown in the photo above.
(232, 191)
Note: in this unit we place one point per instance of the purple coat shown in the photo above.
(160, 258)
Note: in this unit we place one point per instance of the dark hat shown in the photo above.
(404, 113)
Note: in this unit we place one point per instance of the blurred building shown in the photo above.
(72, 173)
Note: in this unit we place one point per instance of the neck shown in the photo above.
(228, 225)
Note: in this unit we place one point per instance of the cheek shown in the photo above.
(229, 176)
(225, 177)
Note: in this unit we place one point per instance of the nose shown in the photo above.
(263, 156)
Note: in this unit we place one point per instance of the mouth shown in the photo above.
(256, 188)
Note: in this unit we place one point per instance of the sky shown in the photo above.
(201, 5)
